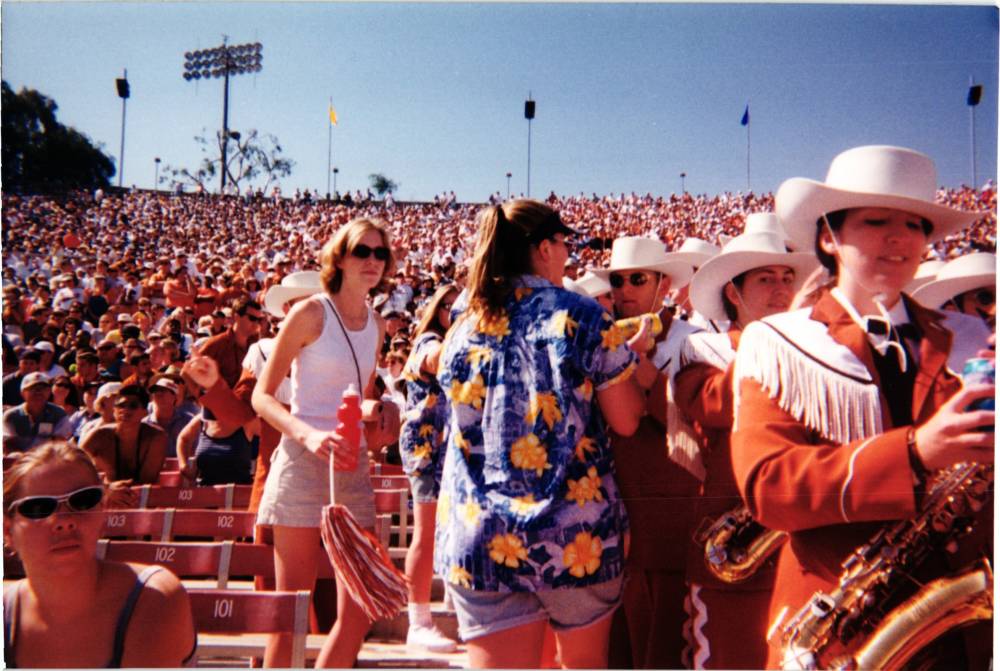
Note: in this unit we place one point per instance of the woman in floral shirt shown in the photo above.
(531, 529)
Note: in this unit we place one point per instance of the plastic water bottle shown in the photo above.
(349, 421)
(981, 371)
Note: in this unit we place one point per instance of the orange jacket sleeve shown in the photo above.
(793, 480)
(704, 394)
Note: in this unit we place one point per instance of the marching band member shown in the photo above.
(967, 284)
(842, 409)
(752, 278)
(658, 491)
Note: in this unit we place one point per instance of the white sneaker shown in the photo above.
(421, 637)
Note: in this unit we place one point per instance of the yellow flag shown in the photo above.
(333, 115)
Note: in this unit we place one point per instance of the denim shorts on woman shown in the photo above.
(482, 613)
(424, 488)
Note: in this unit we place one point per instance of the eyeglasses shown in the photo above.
(986, 297)
(635, 279)
(253, 318)
(128, 405)
(40, 507)
(63, 385)
(364, 251)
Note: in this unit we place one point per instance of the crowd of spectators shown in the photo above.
(122, 287)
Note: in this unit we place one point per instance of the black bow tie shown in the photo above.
(908, 331)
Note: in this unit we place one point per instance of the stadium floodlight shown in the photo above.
(972, 99)
(121, 84)
(223, 62)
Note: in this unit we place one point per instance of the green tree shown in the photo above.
(41, 155)
(253, 160)
(381, 183)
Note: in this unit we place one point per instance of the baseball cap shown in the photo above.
(35, 380)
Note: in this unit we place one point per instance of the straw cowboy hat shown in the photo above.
(744, 252)
(973, 271)
(293, 285)
(872, 176)
(695, 251)
(761, 222)
(588, 284)
(641, 253)
(925, 273)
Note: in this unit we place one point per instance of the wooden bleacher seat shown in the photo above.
(394, 505)
(134, 523)
(216, 524)
(378, 468)
(167, 478)
(185, 560)
(229, 497)
(171, 464)
(235, 612)
(390, 482)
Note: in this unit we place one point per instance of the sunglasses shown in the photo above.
(364, 251)
(986, 297)
(635, 279)
(253, 318)
(128, 405)
(40, 507)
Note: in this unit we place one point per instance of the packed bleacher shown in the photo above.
(116, 291)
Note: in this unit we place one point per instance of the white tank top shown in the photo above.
(323, 369)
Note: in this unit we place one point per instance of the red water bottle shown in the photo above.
(349, 422)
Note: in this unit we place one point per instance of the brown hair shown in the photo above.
(506, 234)
(53, 451)
(429, 321)
(343, 242)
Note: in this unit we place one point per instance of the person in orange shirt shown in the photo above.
(752, 278)
(844, 410)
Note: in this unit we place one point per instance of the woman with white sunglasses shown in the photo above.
(73, 609)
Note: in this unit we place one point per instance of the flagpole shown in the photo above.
(748, 147)
(329, 146)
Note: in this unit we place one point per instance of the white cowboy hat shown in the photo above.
(293, 285)
(744, 252)
(965, 273)
(925, 273)
(695, 251)
(761, 222)
(872, 176)
(588, 284)
(641, 253)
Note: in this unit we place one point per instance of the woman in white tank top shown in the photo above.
(328, 342)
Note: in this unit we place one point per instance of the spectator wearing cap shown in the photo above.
(104, 404)
(110, 360)
(47, 363)
(230, 347)
(27, 363)
(129, 449)
(166, 395)
(34, 421)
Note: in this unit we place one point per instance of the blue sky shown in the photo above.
(628, 95)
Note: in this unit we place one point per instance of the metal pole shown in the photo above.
(156, 178)
(225, 129)
(335, 171)
(529, 159)
(683, 175)
(972, 134)
(329, 147)
(508, 185)
(748, 155)
(121, 152)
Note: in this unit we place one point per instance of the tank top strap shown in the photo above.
(121, 628)
(10, 600)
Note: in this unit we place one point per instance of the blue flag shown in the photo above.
(746, 116)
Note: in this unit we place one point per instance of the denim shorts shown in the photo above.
(424, 488)
(481, 613)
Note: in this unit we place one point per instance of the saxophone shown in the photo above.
(736, 545)
(849, 629)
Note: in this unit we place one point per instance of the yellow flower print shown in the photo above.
(470, 513)
(469, 393)
(583, 555)
(612, 338)
(426, 430)
(529, 454)
(498, 326)
(584, 446)
(586, 390)
(463, 445)
(561, 325)
(548, 405)
(507, 549)
(459, 576)
(523, 505)
(430, 400)
(521, 292)
(444, 505)
(586, 489)
(477, 356)
(422, 451)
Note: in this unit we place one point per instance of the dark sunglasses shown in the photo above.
(253, 318)
(635, 279)
(40, 507)
(128, 405)
(986, 297)
(364, 251)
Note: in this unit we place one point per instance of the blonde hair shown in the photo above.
(429, 321)
(343, 242)
(53, 451)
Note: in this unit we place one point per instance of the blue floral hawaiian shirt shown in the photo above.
(421, 435)
(528, 497)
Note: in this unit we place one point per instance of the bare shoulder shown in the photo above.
(304, 320)
(161, 631)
